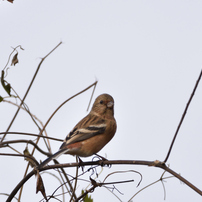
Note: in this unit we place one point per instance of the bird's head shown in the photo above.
(103, 105)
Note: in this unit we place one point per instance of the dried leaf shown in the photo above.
(11, 1)
(15, 59)
(39, 186)
(26, 152)
(1, 99)
(7, 87)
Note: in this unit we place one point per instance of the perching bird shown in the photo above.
(92, 133)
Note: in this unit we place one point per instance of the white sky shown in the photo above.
(146, 54)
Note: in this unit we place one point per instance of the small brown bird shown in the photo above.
(92, 133)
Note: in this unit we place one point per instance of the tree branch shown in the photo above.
(101, 163)
(183, 116)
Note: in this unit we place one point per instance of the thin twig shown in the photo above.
(14, 149)
(14, 49)
(26, 108)
(94, 84)
(6, 143)
(67, 180)
(96, 184)
(125, 171)
(30, 85)
(76, 180)
(32, 153)
(8, 195)
(91, 97)
(21, 155)
(63, 191)
(33, 117)
(161, 179)
(183, 116)
(30, 134)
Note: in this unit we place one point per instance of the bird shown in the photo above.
(91, 133)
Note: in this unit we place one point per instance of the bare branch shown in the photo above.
(6, 143)
(33, 117)
(30, 85)
(25, 108)
(21, 155)
(115, 162)
(91, 96)
(30, 134)
(183, 116)
(94, 84)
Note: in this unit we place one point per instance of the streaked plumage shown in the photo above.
(92, 133)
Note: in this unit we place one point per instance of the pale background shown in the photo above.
(146, 54)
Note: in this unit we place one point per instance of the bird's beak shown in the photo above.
(110, 104)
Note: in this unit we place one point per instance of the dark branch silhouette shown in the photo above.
(183, 116)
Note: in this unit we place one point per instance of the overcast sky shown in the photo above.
(146, 54)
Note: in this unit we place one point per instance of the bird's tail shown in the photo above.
(54, 156)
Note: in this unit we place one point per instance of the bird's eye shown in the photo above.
(101, 101)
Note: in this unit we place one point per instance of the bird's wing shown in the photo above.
(85, 129)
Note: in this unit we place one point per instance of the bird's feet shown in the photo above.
(103, 159)
(80, 163)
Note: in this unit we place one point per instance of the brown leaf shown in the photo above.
(31, 162)
(11, 1)
(6, 86)
(39, 186)
(15, 59)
